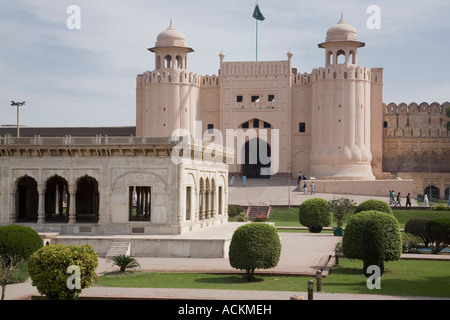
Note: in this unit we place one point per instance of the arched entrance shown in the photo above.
(87, 200)
(57, 199)
(434, 192)
(257, 159)
(27, 200)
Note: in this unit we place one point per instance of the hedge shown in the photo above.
(416, 227)
(19, 241)
(438, 230)
(352, 239)
(373, 204)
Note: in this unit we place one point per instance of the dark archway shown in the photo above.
(27, 200)
(254, 162)
(434, 192)
(57, 199)
(87, 200)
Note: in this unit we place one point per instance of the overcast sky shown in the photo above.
(87, 77)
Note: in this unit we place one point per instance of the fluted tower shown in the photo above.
(166, 98)
(341, 110)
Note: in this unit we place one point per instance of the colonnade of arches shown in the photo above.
(56, 201)
(210, 200)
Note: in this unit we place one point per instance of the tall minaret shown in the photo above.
(341, 110)
(166, 98)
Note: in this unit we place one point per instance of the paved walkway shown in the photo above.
(302, 253)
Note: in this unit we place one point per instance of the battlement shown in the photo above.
(416, 120)
(210, 81)
(255, 68)
(341, 72)
(169, 76)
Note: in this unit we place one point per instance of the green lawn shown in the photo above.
(403, 277)
(284, 217)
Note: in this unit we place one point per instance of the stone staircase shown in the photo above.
(254, 211)
(118, 248)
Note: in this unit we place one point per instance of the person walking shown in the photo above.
(398, 203)
(299, 177)
(448, 203)
(244, 180)
(391, 197)
(305, 188)
(313, 188)
(425, 201)
(232, 180)
(408, 200)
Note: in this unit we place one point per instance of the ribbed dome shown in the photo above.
(342, 31)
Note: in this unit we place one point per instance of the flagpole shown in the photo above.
(256, 39)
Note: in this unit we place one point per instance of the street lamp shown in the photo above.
(17, 104)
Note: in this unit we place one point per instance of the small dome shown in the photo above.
(171, 38)
(342, 31)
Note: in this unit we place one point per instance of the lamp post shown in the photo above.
(17, 104)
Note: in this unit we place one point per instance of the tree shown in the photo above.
(341, 208)
(438, 230)
(373, 204)
(124, 262)
(372, 246)
(315, 214)
(417, 227)
(61, 272)
(355, 228)
(254, 246)
(8, 265)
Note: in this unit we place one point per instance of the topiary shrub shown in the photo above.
(254, 246)
(352, 239)
(50, 273)
(315, 214)
(372, 246)
(19, 241)
(242, 217)
(438, 230)
(373, 204)
(416, 227)
(232, 212)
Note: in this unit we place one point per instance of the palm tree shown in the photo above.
(124, 262)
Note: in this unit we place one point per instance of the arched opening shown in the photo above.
(432, 191)
(158, 62)
(27, 200)
(329, 58)
(87, 200)
(352, 57)
(201, 200)
(168, 62)
(179, 60)
(57, 199)
(257, 159)
(340, 57)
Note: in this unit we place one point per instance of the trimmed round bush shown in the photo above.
(352, 239)
(373, 204)
(254, 246)
(50, 274)
(438, 230)
(373, 246)
(19, 241)
(416, 227)
(315, 214)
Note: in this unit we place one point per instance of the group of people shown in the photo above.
(305, 188)
(397, 202)
(244, 180)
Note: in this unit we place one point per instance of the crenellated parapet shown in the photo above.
(170, 76)
(210, 81)
(341, 72)
(255, 68)
(415, 120)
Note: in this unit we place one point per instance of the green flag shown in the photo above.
(257, 14)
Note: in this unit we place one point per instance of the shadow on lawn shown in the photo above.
(232, 279)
